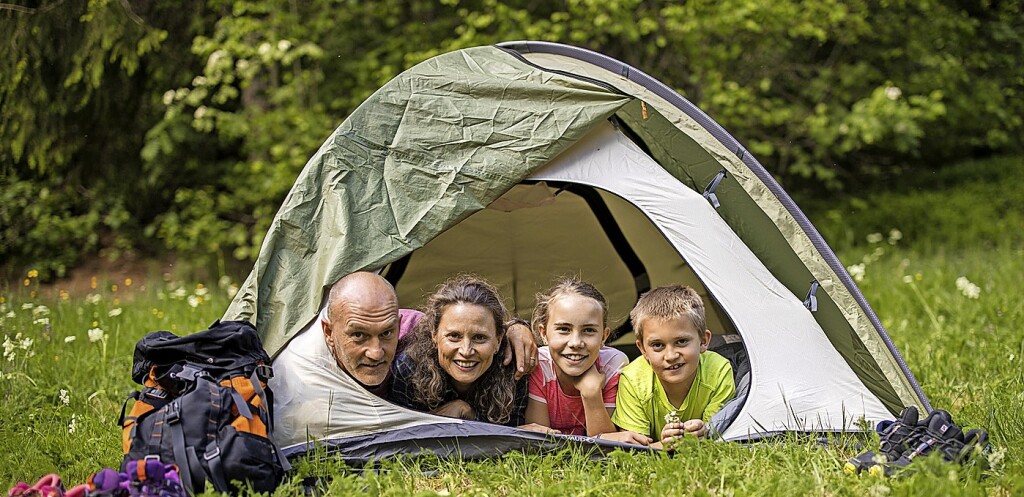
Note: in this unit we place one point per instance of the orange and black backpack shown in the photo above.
(205, 407)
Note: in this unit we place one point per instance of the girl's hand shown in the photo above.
(590, 383)
(539, 429)
(628, 437)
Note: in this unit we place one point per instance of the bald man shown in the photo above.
(362, 328)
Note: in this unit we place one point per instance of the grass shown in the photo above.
(966, 353)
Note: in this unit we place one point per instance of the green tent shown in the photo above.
(528, 160)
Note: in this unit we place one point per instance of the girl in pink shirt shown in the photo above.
(573, 388)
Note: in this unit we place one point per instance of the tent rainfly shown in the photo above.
(528, 160)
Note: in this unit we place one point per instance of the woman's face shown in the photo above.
(467, 342)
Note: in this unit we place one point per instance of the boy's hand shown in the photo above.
(675, 431)
(671, 432)
(628, 437)
(522, 348)
(696, 427)
(591, 383)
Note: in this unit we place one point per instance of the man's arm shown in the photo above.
(522, 348)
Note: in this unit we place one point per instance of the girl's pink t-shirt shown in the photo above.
(565, 412)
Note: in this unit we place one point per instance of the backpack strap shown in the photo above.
(255, 379)
(173, 421)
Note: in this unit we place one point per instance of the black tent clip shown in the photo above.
(709, 192)
(811, 302)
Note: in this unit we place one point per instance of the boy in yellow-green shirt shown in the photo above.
(678, 384)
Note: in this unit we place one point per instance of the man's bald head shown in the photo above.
(362, 326)
(362, 289)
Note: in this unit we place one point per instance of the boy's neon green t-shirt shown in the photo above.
(641, 403)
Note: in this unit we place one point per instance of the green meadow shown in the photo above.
(940, 261)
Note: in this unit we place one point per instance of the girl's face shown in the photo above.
(575, 333)
(467, 342)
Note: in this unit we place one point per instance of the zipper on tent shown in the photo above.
(811, 302)
(709, 192)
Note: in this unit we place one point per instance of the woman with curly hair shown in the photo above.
(451, 364)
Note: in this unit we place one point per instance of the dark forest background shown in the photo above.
(144, 128)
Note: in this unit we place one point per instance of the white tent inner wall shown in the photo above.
(799, 381)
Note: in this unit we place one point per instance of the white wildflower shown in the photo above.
(27, 306)
(41, 311)
(11, 314)
(264, 48)
(202, 291)
(179, 293)
(672, 417)
(970, 290)
(874, 238)
(73, 425)
(42, 321)
(69, 339)
(284, 45)
(93, 298)
(895, 235)
(65, 397)
(857, 271)
(194, 301)
(26, 343)
(892, 93)
(114, 312)
(9, 347)
(96, 334)
(908, 278)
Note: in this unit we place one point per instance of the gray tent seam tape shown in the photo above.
(752, 163)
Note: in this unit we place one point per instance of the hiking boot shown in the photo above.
(895, 437)
(937, 432)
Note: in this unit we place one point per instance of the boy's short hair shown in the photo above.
(668, 302)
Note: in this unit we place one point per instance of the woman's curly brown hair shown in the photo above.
(493, 393)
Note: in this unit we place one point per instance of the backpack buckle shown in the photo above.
(212, 454)
(173, 413)
(264, 372)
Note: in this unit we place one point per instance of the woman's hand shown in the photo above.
(456, 409)
(628, 437)
(522, 348)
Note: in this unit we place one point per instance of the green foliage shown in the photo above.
(196, 118)
(79, 84)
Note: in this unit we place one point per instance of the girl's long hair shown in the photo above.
(492, 396)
